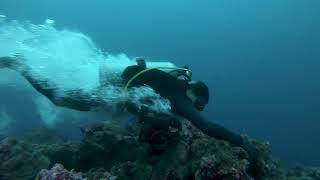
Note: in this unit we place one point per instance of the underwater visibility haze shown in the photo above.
(260, 59)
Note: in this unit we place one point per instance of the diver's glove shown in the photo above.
(250, 148)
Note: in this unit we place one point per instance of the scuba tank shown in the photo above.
(181, 73)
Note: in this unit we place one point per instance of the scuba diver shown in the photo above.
(187, 98)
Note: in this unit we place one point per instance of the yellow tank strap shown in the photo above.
(146, 70)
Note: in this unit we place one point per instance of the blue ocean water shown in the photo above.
(260, 59)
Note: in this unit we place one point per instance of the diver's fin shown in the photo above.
(10, 62)
(5, 62)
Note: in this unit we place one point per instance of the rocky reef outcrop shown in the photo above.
(111, 153)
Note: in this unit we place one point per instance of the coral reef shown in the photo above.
(18, 160)
(109, 153)
(60, 153)
(99, 174)
(304, 173)
(105, 146)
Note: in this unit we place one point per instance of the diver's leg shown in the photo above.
(76, 99)
(41, 86)
(16, 63)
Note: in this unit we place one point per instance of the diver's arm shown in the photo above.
(185, 108)
(77, 99)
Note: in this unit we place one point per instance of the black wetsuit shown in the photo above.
(175, 90)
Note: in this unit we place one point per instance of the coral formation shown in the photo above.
(110, 153)
(59, 172)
